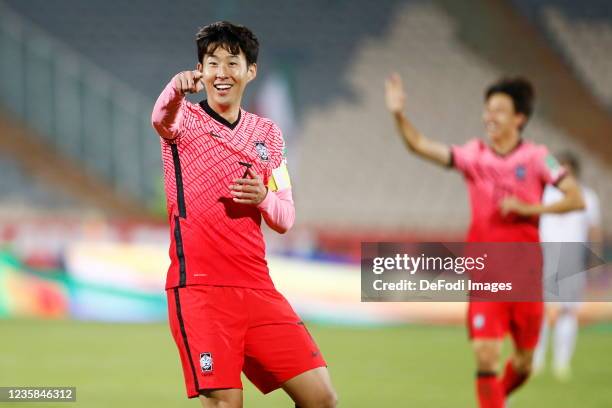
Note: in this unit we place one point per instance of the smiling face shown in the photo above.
(225, 76)
(500, 118)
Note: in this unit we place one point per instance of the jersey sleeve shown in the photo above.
(463, 157)
(277, 208)
(549, 169)
(168, 112)
(279, 178)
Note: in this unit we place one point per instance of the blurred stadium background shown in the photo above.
(83, 235)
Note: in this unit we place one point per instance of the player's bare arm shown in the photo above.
(395, 98)
(572, 200)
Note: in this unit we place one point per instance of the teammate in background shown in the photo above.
(505, 176)
(575, 227)
(224, 170)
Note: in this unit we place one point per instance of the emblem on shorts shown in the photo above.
(262, 151)
(520, 172)
(206, 362)
(479, 321)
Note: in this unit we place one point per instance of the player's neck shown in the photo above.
(230, 113)
(505, 145)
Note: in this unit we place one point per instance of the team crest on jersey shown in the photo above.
(206, 363)
(262, 151)
(520, 172)
(478, 321)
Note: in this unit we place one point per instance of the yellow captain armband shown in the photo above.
(279, 180)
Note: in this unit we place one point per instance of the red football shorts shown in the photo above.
(221, 331)
(493, 320)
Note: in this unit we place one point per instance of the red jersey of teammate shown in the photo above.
(215, 241)
(490, 177)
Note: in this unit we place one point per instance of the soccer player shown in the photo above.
(224, 170)
(575, 227)
(505, 176)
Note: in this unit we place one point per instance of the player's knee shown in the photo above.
(328, 399)
(332, 400)
(524, 368)
(489, 366)
(216, 403)
(487, 359)
(220, 402)
(523, 363)
(323, 399)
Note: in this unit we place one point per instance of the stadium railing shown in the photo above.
(79, 109)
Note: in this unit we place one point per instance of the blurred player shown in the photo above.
(505, 176)
(224, 169)
(575, 227)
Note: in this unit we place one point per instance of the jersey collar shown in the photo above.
(211, 112)
(509, 152)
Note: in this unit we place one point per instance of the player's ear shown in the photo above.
(199, 66)
(521, 120)
(251, 72)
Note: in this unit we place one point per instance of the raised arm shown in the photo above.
(166, 117)
(415, 141)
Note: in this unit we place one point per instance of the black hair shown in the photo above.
(519, 90)
(234, 38)
(567, 157)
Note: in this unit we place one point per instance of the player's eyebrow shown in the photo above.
(231, 56)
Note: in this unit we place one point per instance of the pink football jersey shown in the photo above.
(215, 241)
(523, 172)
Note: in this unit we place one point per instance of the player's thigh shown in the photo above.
(278, 346)
(525, 324)
(312, 388)
(227, 398)
(208, 326)
(276, 353)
